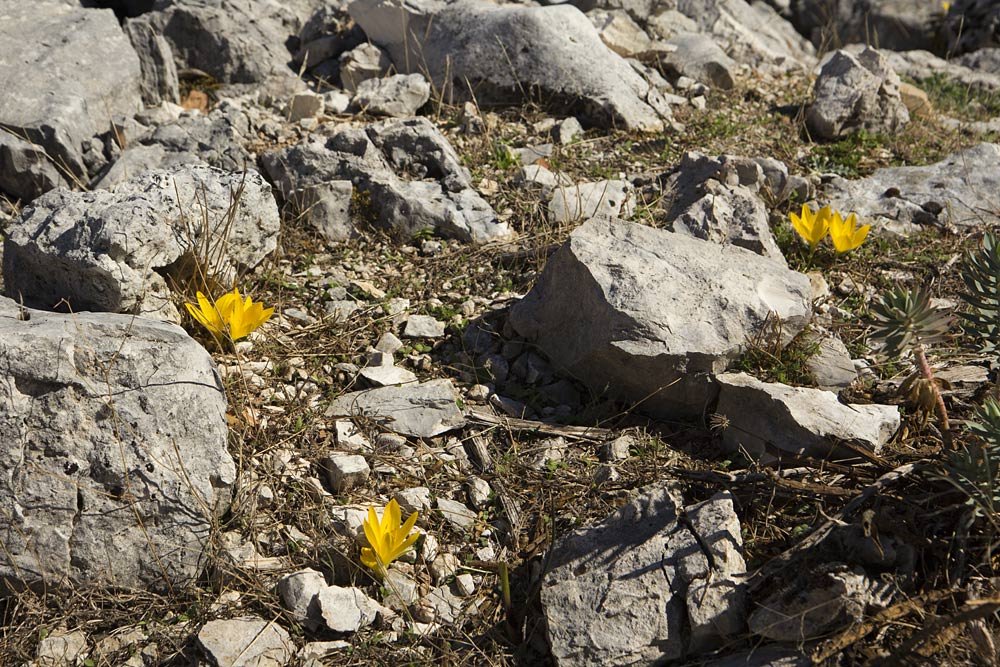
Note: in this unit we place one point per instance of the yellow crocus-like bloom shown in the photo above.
(229, 314)
(812, 226)
(844, 235)
(389, 540)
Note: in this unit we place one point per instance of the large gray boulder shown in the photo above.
(972, 25)
(856, 92)
(510, 52)
(901, 200)
(639, 588)
(400, 175)
(45, 47)
(901, 25)
(648, 315)
(156, 58)
(235, 41)
(113, 446)
(751, 33)
(109, 251)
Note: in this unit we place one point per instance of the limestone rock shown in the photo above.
(156, 62)
(716, 199)
(44, 46)
(422, 410)
(648, 314)
(107, 251)
(901, 200)
(625, 590)
(699, 57)
(801, 420)
(118, 420)
(588, 200)
(362, 63)
(386, 162)
(347, 609)
(503, 51)
(25, 170)
(247, 641)
(856, 93)
(399, 95)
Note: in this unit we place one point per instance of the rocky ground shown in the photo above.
(534, 277)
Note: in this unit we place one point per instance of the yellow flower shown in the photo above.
(388, 539)
(843, 234)
(230, 313)
(812, 226)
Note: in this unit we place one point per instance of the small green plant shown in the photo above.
(504, 158)
(845, 157)
(907, 321)
(981, 274)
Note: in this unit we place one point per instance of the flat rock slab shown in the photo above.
(249, 641)
(902, 200)
(44, 48)
(108, 251)
(647, 315)
(113, 439)
(423, 410)
(508, 52)
(801, 420)
(627, 590)
(405, 176)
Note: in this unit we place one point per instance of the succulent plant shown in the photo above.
(906, 319)
(981, 274)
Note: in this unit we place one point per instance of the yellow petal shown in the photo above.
(403, 531)
(368, 558)
(371, 528)
(390, 519)
(404, 546)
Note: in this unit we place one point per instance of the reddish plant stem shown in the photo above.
(925, 371)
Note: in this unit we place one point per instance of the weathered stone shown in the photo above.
(647, 314)
(362, 63)
(921, 65)
(120, 457)
(414, 499)
(156, 62)
(855, 93)
(801, 420)
(901, 25)
(456, 513)
(716, 199)
(423, 326)
(699, 57)
(902, 200)
(589, 200)
(625, 590)
(44, 47)
(619, 32)
(61, 649)
(25, 170)
(399, 95)
(346, 471)
(248, 641)
(234, 41)
(298, 593)
(822, 601)
(422, 410)
(380, 161)
(971, 25)
(505, 51)
(304, 105)
(107, 251)
(347, 609)
(191, 138)
(830, 364)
